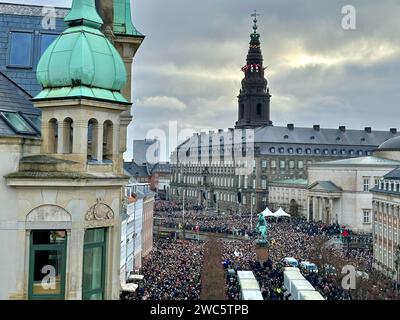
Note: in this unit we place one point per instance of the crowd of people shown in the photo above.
(303, 241)
(172, 271)
(197, 220)
(167, 206)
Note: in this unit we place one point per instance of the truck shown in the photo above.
(290, 276)
(296, 286)
(249, 287)
(291, 261)
(310, 295)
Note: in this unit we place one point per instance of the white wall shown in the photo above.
(354, 198)
(12, 240)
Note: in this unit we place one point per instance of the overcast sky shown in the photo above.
(188, 68)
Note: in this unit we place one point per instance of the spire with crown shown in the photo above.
(254, 97)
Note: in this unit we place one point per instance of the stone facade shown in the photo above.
(339, 191)
(290, 195)
(386, 225)
(66, 188)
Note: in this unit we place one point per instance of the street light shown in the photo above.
(240, 201)
(251, 211)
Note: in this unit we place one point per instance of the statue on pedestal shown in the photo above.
(262, 229)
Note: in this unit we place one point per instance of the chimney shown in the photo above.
(290, 126)
(393, 130)
(342, 128)
(368, 129)
(316, 127)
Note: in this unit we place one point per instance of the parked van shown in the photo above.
(291, 261)
(310, 267)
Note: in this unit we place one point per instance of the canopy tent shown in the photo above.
(281, 213)
(267, 213)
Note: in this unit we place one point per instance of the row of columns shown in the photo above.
(73, 137)
(322, 209)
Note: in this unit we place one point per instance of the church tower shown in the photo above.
(69, 196)
(120, 30)
(254, 97)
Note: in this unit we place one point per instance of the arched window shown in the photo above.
(259, 109)
(68, 135)
(93, 140)
(108, 140)
(242, 111)
(53, 136)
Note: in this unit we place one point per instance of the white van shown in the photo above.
(310, 267)
(291, 261)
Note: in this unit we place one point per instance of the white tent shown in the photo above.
(281, 213)
(267, 213)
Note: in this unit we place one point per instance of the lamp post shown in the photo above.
(183, 217)
(240, 197)
(251, 211)
(183, 209)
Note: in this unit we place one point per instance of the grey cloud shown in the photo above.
(194, 50)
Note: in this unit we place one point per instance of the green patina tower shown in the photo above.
(83, 104)
(121, 31)
(123, 24)
(72, 188)
(82, 62)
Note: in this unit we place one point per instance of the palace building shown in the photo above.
(62, 152)
(204, 170)
(385, 217)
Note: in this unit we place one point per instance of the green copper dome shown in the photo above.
(82, 61)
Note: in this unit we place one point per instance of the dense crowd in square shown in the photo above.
(173, 270)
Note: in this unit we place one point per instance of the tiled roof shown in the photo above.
(324, 186)
(321, 136)
(29, 10)
(291, 182)
(301, 136)
(136, 170)
(162, 167)
(393, 175)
